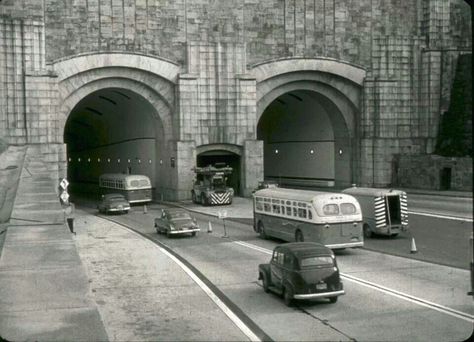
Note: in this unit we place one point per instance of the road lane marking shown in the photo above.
(386, 290)
(411, 299)
(447, 217)
(213, 296)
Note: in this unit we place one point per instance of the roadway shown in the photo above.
(387, 297)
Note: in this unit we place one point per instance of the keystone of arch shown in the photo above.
(68, 67)
(270, 69)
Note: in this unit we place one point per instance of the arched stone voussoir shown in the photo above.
(163, 110)
(161, 86)
(344, 105)
(274, 68)
(70, 66)
(236, 149)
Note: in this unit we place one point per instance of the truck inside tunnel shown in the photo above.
(111, 130)
(227, 158)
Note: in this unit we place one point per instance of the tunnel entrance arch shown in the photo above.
(222, 153)
(118, 107)
(111, 130)
(307, 117)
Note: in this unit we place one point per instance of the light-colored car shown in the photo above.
(113, 203)
(175, 222)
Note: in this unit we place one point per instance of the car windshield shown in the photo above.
(316, 261)
(180, 215)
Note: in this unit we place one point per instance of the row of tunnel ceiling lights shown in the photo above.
(109, 160)
(312, 151)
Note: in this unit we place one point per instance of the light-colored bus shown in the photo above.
(333, 219)
(135, 188)
(384, 211)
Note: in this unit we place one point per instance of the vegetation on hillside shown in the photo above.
(455, 133)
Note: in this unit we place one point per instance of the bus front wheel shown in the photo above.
(299, 236)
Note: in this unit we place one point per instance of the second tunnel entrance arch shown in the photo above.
(308, 117)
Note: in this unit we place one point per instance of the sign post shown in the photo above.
(223, 214)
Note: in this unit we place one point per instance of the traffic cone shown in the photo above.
(413, 246)
(209, 229)
(144, 209)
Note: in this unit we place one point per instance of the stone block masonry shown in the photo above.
(408, 50)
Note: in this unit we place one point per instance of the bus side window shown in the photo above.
(288, 211)
(310, 214)
(267, 207)
(302, 212)
(295, 212)
(276, 208)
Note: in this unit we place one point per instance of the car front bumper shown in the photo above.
(183, 231)
(118, 209)
(319, 295)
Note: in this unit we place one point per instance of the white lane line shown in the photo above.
(232, 316)
(411, 299)
(386, 290)
(448, 217)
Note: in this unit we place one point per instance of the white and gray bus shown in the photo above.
(135, 188)
(333, 219)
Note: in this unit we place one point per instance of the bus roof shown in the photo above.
(376, 192)
(121, 176)
(296, 194)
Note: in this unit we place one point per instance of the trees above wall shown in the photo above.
(455, 134)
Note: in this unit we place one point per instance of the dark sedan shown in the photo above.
(176, 221)
(302, 270)
(111, 203)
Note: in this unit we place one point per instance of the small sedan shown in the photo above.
(302, 270)
(113, 203)
(175, 222)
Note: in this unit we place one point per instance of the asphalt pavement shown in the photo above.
(49, 290)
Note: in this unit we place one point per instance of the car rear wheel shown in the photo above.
(288, 295)
(193, 195)
(367, 231)
(299, 236)
(264, 278)
(333, 299)
(193, 234)
(203, 200)
(261, 230)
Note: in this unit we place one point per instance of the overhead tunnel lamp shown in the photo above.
(276, 151)
(311, 151)
(340, 151)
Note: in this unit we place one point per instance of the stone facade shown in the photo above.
(426, 172)
(210, 53)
